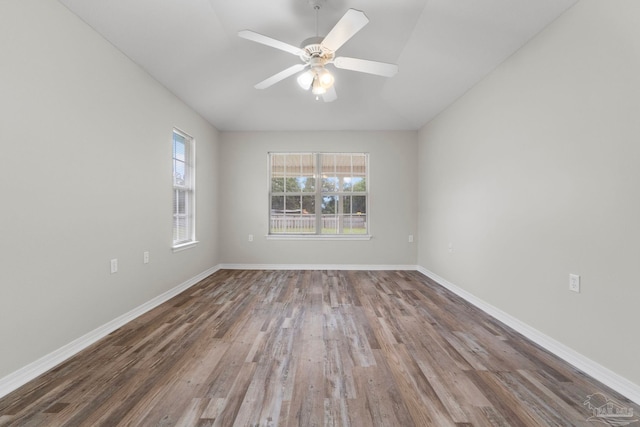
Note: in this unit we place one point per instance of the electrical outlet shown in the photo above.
(145, 257)
(574, 283)
(114, 265)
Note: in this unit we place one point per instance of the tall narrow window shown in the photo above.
(183, 190)
(318, 194)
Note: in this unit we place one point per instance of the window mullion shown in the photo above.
(340, 207)
(318, 179)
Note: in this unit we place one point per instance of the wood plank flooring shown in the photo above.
(311, 348)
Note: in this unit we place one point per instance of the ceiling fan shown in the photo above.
(317, 52)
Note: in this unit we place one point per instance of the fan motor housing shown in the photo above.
(312, 49)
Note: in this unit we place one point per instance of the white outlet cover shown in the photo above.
(574, 283)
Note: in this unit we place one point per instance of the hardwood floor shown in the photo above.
(311, 348)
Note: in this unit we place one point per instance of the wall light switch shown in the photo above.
(410, 238)
(251, 237)
(574, 283)
(114, 265)
(145, 257)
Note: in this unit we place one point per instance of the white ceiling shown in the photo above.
(442, 48)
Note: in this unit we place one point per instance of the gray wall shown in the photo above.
(86, 177)
(534, 174)
(392, 205)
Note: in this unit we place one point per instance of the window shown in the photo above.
(318, 194)
(183, 190)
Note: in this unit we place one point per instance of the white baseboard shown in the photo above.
(51, 360)
(376, 267)
(597, 371)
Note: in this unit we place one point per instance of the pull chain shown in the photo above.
(317, 8)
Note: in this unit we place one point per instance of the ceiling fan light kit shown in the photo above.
(317, 52)
(305, 79)
(326, 78)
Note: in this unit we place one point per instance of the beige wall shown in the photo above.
(392, 204)
(534, 174)
(86, 177)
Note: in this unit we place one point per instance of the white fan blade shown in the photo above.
(280, 76)
(347, 27)
(330, 95)
(259, 38)
(365, 66)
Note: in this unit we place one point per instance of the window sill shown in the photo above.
(184, 246)
(343, 237)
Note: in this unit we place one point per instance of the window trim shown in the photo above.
(318, 193)
(189, 187)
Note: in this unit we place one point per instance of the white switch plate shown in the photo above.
(450, 247)
(114, 265)
(574, 283)
(251, 237)
(410, 238)
(145, 257)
